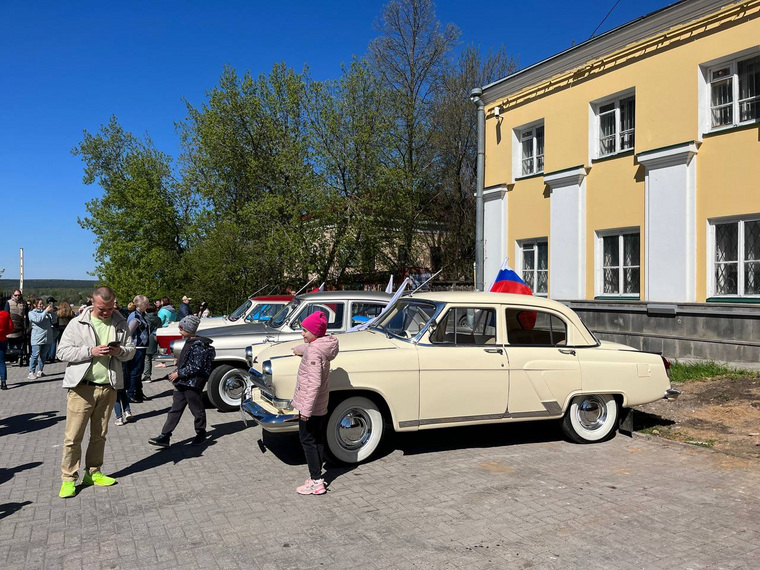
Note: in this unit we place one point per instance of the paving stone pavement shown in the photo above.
(511, 496)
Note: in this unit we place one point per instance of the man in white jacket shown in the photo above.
(94, 345)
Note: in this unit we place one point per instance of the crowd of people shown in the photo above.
(108, 355)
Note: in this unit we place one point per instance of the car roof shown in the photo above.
(346, 295)
(487, 297)
(286, 298)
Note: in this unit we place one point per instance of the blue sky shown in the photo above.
(67, 67)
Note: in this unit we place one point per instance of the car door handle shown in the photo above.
(567, 351)
(494, 350)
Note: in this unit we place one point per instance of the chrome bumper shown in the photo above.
(671, 394)
(267, 420)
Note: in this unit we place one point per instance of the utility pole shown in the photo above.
(21, 269)
(475, 97)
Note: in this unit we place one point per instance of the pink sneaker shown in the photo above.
(311, 487)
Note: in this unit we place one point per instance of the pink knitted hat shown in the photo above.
(316, 324)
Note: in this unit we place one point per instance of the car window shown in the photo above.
(278, 320)
(406, 318)
(466, 326)
(333, 312)
(363, 312)
(240, 311)
(535, 328)
(263, 312)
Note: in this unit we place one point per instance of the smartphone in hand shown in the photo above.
(114, 344)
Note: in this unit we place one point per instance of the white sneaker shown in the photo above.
(31, 376)
(120, 422)
(128, 416)
(39, 374)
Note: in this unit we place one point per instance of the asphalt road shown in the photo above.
(510, 496)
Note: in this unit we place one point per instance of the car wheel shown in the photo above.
(225, 387)
(354, 430)
(591, 418)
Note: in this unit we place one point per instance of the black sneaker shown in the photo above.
(199, 439)
(160, 441)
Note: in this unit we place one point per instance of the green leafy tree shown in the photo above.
(350, 120)
(409, 56)
(143, 220)
(247, 154)
(455, 145)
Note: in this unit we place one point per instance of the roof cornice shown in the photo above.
(636, 31)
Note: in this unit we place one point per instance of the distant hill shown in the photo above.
(72, 290)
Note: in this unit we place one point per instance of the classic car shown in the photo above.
(253, 310)
(228, 377)
(462, 358)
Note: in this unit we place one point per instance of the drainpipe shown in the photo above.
(475, 95)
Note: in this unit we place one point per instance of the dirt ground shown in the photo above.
(721, 413)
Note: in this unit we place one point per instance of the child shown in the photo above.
(312, 394)
(193, 369)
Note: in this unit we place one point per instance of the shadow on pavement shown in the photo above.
(483, 436)
(27, 423)
(43, 380)
(6, 474)
(177, 451)
(7, 509)
(644, 420)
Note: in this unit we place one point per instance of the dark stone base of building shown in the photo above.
(706, 331)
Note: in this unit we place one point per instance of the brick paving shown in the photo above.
(512, 496)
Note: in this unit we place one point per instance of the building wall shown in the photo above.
(664, 73)
(677, 179)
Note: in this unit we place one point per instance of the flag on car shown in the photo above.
(389, 287)
(507, 281)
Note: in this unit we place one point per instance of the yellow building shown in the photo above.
(624, 171)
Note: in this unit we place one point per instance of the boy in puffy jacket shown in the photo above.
(312, 394)
(193, 369)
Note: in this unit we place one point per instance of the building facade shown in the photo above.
(622, 177)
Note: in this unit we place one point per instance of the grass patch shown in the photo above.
(702, 370)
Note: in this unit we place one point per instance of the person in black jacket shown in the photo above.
(193, 369)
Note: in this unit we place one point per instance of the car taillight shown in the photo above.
(666, 363)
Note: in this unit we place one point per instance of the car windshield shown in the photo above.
(263, 312)
(240, 311)
(278, 320)
(406, 318)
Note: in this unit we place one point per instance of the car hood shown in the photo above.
(238, 330)
(349, 342)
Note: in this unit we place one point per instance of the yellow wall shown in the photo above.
(664, 72)
(614, 199)
(728, 182)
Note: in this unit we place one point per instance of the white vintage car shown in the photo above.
(463, 358)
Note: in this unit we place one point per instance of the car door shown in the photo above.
(543, 370)
(463, 368)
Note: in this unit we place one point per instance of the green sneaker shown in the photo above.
(98, 479)
(68, 490)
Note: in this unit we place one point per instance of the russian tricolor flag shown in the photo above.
(507, 281)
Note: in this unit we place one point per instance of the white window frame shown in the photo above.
(517, 149)
(705, 89)
(595, 120)
(599, 262)
(741, 261)
(520, 247)
(731, 70)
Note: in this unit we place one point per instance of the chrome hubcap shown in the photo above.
(592, 413)
(233, 386)
(354, 429)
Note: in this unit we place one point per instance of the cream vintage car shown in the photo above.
(462, 358)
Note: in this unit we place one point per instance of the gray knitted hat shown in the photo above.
(190, 324)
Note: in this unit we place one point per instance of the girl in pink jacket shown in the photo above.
(312, 395)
